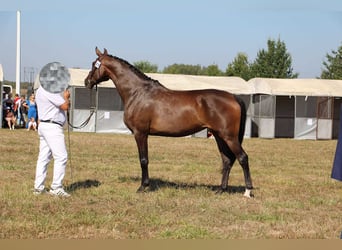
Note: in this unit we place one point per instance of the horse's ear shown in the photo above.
(105, 52)
(98, 52)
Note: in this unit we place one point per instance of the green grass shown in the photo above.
(294, 195)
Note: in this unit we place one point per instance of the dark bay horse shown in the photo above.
(152, 109)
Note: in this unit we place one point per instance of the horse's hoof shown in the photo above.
(221, 190)
(142, 189)
(248, 193)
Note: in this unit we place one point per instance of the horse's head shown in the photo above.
(98, 71)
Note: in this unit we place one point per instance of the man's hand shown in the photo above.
(66, 94)
(65, 105)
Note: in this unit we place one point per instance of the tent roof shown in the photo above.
(298, 87)
(1, 74)
(236, 85)
(77, 77)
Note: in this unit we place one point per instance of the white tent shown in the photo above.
(296, 87)
(1, 74)
(297, 108)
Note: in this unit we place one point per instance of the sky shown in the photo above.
(165, 32)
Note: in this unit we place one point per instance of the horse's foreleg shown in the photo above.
(141, 140)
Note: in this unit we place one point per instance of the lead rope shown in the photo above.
(69, 154)
(85, 123)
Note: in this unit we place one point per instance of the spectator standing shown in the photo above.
(8, 102)
(22, 111)
(32, 108)
(16, 101)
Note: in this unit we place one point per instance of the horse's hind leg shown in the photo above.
(242, 157)
(228, 159)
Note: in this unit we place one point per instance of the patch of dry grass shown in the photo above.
(294, 195)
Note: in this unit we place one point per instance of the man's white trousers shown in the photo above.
(52, 144)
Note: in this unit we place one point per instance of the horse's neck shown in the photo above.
(125, 81)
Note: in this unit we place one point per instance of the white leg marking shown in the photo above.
(248, 193)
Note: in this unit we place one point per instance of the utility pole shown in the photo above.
(17, 74)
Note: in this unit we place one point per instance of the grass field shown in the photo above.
(294, 194)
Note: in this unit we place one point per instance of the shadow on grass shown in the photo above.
(156, 184)
(82, 185)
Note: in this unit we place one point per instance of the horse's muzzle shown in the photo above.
(88, 83)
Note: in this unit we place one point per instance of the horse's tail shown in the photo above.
(242, 119)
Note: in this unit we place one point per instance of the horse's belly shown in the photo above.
(175, 127)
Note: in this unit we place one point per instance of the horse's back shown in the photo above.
(217, 101)
(185, 112)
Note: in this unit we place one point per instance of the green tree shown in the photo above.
(333, 65)
(188, 69)
(212, 70)
(275, 62)
(185, 69)
(239, 67)
(146, 67)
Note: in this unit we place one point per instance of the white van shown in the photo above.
(6, 89)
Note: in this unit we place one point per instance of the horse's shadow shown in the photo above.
(156, 184)
(82, 185)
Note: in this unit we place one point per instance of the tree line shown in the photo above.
(273, 62)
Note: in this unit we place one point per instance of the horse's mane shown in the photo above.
(136, 70)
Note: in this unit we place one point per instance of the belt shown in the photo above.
(50, 121)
